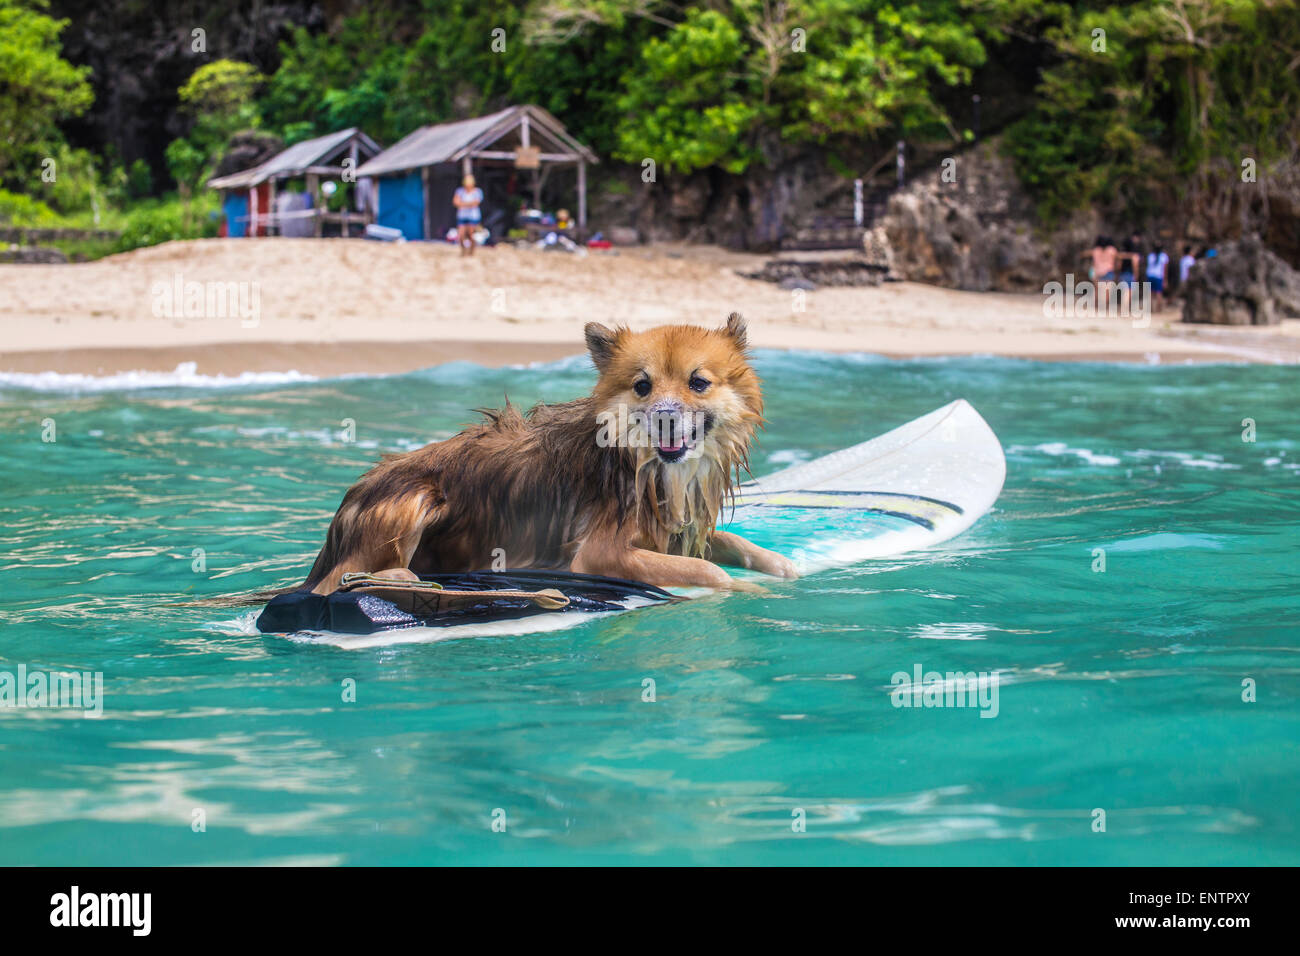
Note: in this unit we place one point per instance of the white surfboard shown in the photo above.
(916, 486)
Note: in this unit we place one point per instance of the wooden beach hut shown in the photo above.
(510, 153)
(253, 199)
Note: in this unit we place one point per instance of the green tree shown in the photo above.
(38, 88)
(1152, 106)
(330, 81)
(714, 84)
(389, 74)
(688, 106)
(218, 97)
(878, 66)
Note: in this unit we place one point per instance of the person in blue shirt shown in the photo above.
(467, 200)
(1157, 267)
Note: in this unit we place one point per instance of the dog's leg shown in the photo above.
(384, 536)
(728, 548)
(618, 560)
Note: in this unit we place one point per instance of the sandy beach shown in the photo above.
(326, 307)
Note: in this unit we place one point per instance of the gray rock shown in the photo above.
(878, 250)
(1245, 284)
(32, 255)
(979, 231)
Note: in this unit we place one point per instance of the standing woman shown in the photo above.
(467, 200)
(1157, 267)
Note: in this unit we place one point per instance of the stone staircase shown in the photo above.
(838, 231)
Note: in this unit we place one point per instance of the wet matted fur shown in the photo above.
(627, 482)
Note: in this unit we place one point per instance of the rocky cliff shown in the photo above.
(1245, 284)
(967, 224)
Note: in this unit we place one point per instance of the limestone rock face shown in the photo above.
(1245, 284)
(968, 225)
(879, 252)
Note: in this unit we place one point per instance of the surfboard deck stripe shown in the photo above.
(919, 509)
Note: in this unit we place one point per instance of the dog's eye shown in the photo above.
(699, 384)
(642, 388)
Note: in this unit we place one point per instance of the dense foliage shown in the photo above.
(1127, 106)
(1145, 102)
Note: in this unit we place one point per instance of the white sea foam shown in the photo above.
(789, 456)
(1188, 460)
(1058, 448)
(323, 436)
(953, 631)
(185, 375)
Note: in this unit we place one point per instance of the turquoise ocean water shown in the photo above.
(1119, 690)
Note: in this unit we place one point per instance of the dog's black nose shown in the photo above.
(665, 425)
(667, 429)
(666, 422)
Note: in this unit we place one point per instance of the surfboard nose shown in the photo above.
(937, 475)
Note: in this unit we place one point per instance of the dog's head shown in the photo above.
(677, 395)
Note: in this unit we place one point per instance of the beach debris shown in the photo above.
(559, 241)
(384, 233)
(808, 274)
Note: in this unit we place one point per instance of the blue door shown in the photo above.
(236, 209)
(401, 204)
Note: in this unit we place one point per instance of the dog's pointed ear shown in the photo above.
(600, 343)
(736, 329)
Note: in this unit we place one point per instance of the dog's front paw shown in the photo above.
(398, 574)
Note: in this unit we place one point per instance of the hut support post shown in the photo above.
(350, 175)
(313, 190)
(582, 197)
(424, 191)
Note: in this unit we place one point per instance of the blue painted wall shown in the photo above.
(401, 204)
(236, 209)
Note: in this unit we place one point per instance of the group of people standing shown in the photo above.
(1124, 267)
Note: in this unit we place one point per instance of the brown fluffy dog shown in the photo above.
(627, 483)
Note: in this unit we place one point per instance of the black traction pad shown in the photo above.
(356, 612)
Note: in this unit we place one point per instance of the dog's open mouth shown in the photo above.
(674, 436)
(671, 451)
(668, 434)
